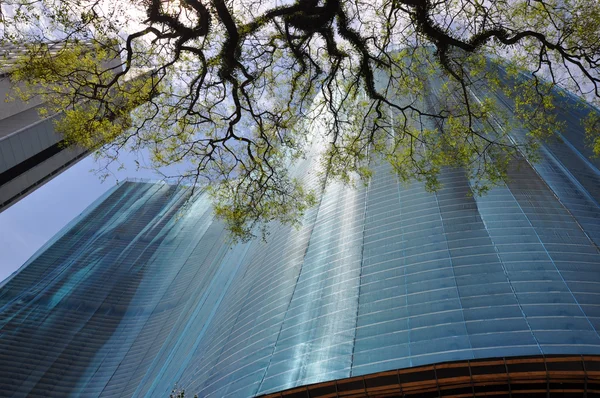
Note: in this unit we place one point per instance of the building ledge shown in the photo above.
(559, 375)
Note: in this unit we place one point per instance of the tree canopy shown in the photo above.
(235, 90)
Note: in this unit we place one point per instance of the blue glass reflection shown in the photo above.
(142, 293)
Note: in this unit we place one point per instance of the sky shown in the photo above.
(28, 224)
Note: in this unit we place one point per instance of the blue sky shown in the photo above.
(28, 224)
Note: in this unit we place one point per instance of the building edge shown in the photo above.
(532, 376)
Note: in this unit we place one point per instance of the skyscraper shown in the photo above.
(385, 289)
(31, 152)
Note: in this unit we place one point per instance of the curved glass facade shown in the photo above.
(142, 294)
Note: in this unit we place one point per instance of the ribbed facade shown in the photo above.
(142, 294)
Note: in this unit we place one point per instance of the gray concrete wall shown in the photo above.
(12, 107)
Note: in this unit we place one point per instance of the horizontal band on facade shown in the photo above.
(530, 376)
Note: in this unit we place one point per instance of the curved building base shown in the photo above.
(530, 376)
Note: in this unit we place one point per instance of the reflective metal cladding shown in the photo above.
(141, 293)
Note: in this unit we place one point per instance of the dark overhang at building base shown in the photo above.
(537, 376)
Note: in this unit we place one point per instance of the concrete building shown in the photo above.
(31, 152)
